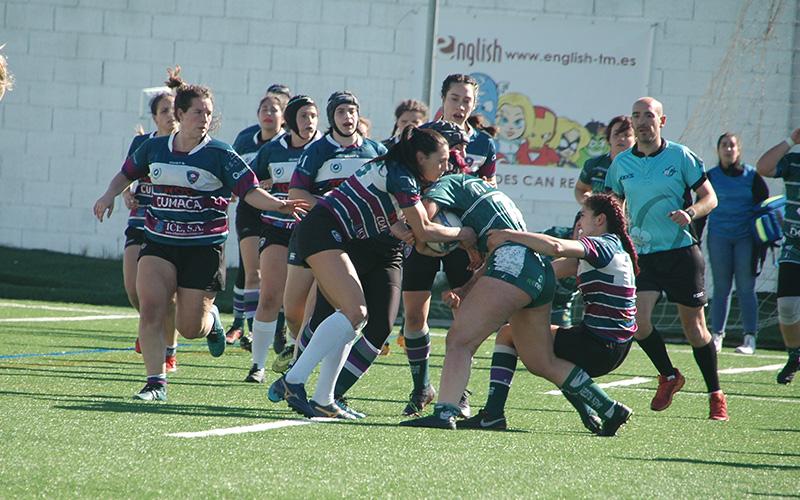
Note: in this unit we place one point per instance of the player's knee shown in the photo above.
(788, 310)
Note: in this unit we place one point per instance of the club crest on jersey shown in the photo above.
(192, 176)
(336, 236)
(155, 173)
(278, 172)
(336, 167)
(670, 171)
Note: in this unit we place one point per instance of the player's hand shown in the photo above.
(103, 207)
(452, 298)
(297, 208)
(403, 233)
(475, 259)
(130, 199)
(497, 237)
(468, 237)
(265, 184)
(795, 135)
(680, 217)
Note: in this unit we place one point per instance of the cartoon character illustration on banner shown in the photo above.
(515, 116)
(570, 138)
(598, 146)
(536, 150)
(488, 92)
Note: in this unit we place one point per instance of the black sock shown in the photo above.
(706, 358)
(655, 349)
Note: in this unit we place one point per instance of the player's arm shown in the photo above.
(418, 218)
(539, 243)
(706, 202)
(767, 165)
(105, 204)
(565, 267)
(582, 191)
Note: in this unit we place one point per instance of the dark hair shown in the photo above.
(478, 122)
(282, 100)
(459, 78)
(413, 140)
(608, 205)
(732, 136)
(279, 89)
(156, 100)
(625, 124)
(184, 92)
(406, 106)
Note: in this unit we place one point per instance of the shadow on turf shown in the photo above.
(169, 408)
(697, 461)
(768, 453)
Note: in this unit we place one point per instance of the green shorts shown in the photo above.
(526, 270)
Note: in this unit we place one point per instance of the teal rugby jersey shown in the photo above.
(477, 203)
(653, 186)
(594, 172)
(788, 169)
(191, 191)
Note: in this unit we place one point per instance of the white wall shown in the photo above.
(80, 66)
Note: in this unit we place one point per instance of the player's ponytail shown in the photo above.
(608, 205)
(413, 140)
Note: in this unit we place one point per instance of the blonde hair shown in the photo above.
(6, 78)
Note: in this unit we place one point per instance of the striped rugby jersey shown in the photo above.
(326, 164)
(367, 204)
(276, 160)
(608, 287)
(481, 154)
(788, 169)
(144, 190)
(191, 191)
(248, 142)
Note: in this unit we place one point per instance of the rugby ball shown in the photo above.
(449, 219)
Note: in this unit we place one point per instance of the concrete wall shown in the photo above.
(81, 64)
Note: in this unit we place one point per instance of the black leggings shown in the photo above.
(378, 266)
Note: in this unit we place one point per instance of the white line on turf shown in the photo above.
(50, 308)
(68, 318)
(768, 368)
(616, 383)
(250, 428)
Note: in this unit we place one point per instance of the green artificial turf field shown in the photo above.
(70, 428)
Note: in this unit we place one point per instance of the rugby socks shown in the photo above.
(159, 378)
(333, 333)
(504, 362)
(706, 359)
(250, 304)
(656, 350)
(580, 385)
(263, 333)
(305, 338)
(329, 371)
(171, 350)
(361, 357)
(238, 307)
(418, 350)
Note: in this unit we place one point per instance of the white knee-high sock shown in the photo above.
(263, 335)
(334, 332)
(328, 373)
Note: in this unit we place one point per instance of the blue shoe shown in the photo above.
(216, 337)
(444, 417)
(294, 394)
(152, 392)
(341, 402)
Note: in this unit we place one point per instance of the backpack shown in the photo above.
(767, 230)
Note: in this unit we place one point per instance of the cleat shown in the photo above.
(718, 406)
(341, 402)
(152, 392)
(620, 416)
(136, 347)
(717, 338)
(216, 337)
(385, 349)
(484, 420)
(463, 405)
(172, 363)
(256, 375)
(748, 345)
(444, 417)
(294, 394)
(246, 343)
(232, 335)
(786, 375)
(666, 389)
(279, 342)
(329, 411)
(282, 361)
(418, 401)
(401, 341)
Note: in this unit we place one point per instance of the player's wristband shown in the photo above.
(789, 142)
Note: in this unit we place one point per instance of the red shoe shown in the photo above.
(172, 363)
(232, 335)
(385, 350)
(718, 406)
(666, 389)
(401, 341)
(137, 347)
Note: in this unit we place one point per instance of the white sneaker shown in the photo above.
(748, 346)
(717, 339)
